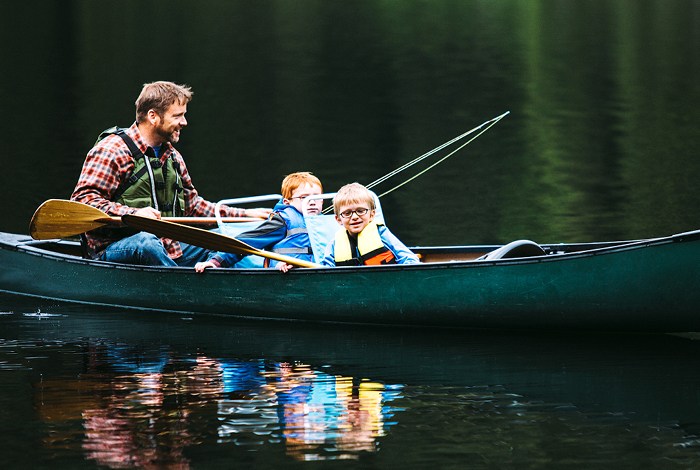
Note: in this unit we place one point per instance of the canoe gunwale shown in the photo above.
(40, 248)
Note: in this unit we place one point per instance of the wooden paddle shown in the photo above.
(206, 239)
(58, 218)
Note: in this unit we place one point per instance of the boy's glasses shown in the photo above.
(360, 212)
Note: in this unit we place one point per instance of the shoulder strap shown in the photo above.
(136, 153)
(344, 249)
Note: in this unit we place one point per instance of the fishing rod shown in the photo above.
(490, 123)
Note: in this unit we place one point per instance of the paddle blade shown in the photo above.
(57, 218)
(205, 239)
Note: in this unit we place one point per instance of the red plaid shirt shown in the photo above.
(110, 163)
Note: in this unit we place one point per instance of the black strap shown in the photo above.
(353, 251)
(136, 153)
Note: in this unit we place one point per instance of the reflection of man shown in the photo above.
(138, 171)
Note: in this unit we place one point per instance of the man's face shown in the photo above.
(173, 120)
(314, 206)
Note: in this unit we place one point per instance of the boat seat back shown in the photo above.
(234, 229)
(322, 228)
(515, 249)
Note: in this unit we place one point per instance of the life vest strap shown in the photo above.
(293, 251)
(135, 153)
(368, 244)
(378, 257)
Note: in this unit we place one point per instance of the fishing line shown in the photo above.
(495, 120)
(426, 155)
(437, 149)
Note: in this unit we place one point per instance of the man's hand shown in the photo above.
(148, 212)
(260, 213)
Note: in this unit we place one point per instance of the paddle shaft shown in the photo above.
(57, 218)
(185, 220)
(206, 239)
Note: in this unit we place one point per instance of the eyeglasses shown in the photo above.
(360, 212)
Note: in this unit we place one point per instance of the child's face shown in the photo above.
(351, 221)
(314, 206)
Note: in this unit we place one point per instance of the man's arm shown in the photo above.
(106, 165)
(197, 206)
(263, 237)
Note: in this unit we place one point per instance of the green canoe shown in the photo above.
(643, 285)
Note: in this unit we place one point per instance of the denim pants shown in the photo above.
(147, 249)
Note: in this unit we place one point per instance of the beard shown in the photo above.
(170, 135)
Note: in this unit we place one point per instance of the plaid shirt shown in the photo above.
(110, 163)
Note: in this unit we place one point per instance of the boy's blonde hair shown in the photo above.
(350, 194)
(291, 182)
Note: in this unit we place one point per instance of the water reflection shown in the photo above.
(119, 390)
(142, 408)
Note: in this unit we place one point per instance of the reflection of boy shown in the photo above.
(285, 231)
(362, 241)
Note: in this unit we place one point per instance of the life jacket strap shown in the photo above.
(368, 247)
(378, 257)
(135, 153)
(293, 251)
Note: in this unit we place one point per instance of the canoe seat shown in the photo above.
(516, 249)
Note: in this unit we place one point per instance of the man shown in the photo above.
(138, 171)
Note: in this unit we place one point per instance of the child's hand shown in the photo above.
(284, 267)
(200, 267)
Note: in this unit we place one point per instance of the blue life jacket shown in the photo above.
(296, 242)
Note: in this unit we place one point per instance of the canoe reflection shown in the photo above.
(144, 414)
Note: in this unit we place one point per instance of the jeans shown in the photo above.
(147, 249)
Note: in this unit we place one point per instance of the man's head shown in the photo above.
(163, 105)
(297, 186)
(354, 207)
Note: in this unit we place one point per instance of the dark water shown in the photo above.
(601, 144)
(81, 388)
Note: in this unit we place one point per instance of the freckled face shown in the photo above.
(314, 206)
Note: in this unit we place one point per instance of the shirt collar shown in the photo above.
(136, 136)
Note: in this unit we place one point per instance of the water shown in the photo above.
(81, 388)
(601, 144)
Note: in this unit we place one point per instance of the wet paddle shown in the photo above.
(205, 239)
(58, 218)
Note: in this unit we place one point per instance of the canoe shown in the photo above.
(636, 286)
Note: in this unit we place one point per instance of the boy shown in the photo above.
(362, 241)
(285, 231)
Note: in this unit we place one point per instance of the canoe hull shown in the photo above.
(637, 286)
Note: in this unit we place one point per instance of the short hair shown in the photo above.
(159, 96)
(291, 182)
(353, 193)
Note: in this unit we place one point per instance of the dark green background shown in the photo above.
(601, 142)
